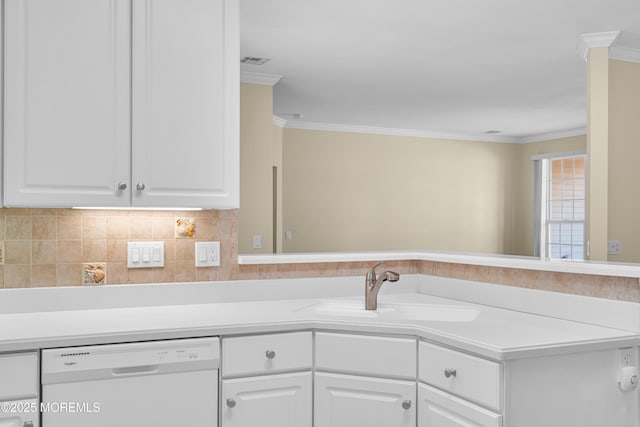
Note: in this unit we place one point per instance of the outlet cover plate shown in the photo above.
(207, 254)
(145, 254)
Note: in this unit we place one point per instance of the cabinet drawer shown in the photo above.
(263, 354)
(437, 408)
(18, 376)
(470, 377)
(362, 354)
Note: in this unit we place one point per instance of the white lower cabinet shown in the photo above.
(268, 401)
(347, 401)
(440, 409)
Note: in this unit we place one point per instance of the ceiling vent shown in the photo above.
(254, 60)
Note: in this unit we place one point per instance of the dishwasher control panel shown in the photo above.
(124, 358)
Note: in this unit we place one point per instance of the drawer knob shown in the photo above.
(140, 186)
(231, 403)
(122, 186)
(406, 404)
(450, 373)
(270, 354)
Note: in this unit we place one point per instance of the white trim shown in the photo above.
(591, 40)
(543, 156)
(259, 78)
(625, 53)
(374, 130)
(490, 260)
(551, 135)
(278, 121)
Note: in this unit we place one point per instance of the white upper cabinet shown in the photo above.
(103, 95)
(185, 103)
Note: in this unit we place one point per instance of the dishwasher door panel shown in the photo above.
(158, 400)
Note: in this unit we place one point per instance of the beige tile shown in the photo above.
(69, 274)
(163, 227)
(43, 252)
(247, 272)
(2, 234)
(141, 227)
(69, 212)
(17, 252)
(207, 228)
(140, 275)
(1, 276)
(185, 271)
(118, 274)
(43, 275)
(17, 276)
(17, 227)
(118, 227)
(170, 250)
(164, 213)
(94, 250)
(185, 250)
(69, 227)
(44, 227)
(44, 212)
(2, 252)
(116, 250)
(206, 274)
(166, 274)
(69, 251)
(94, 227)
(17, 212)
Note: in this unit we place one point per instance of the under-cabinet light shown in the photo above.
(136, 209)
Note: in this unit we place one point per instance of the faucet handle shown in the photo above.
(371, 274)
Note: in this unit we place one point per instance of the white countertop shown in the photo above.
(495, 333)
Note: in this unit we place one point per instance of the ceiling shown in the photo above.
(449, 67)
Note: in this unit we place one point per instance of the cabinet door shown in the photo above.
(347, 401)
(186, 103)
(267, 401)
(440, 409)
(67, 102)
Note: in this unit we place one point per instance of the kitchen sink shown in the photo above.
(397, 312)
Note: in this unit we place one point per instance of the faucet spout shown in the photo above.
(373, 283)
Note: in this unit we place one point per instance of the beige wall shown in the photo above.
(351, 192)
(523, 216)
(624, 155)
(256, 192)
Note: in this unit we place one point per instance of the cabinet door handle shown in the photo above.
(406, 404)
(450, 373)
(140, 186)
(122, 186)
(231, 403)
(271, 354)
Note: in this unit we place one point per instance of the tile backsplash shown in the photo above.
(68, 247)
(63, 247)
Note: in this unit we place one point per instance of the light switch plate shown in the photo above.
(207, 254)
(145, 254)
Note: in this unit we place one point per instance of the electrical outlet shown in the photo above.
(207, 254)
(627, 357)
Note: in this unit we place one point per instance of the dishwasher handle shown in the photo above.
(134, 370)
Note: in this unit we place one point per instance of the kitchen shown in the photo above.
(47, 243)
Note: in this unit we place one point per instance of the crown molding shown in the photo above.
(278, 121)
(625, 53)
(259, 78)
(373, 130)
(546, 136)
(591, 40)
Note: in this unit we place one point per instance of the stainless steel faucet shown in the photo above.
(373, 284)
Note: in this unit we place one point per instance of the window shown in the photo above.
(562, 207)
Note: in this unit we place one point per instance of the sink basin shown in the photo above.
(419, 312)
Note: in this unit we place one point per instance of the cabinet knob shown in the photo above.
(271, 354)
(140, 186)
(122, 186)
(406, 404)
(449, 373)
(231, 403)
(28, 424)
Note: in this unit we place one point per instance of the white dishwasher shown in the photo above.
(156, 383)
